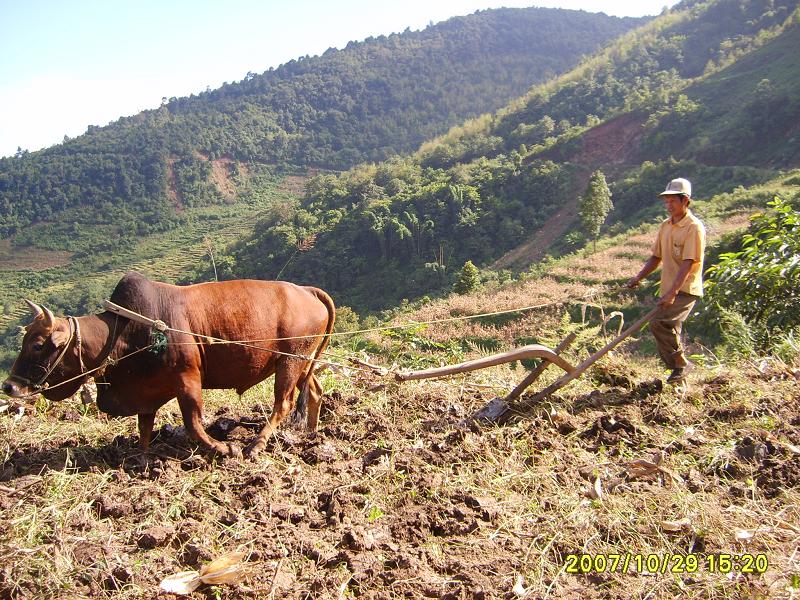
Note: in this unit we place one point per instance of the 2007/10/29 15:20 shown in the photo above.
(666, 563)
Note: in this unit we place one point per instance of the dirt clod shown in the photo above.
(112, 507)
(154, 537)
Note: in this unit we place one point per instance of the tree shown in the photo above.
(595, 206)
(208, 244)
(468, 279)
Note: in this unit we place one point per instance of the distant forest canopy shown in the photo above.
(663, 72)
(712, 91)
(367, 102)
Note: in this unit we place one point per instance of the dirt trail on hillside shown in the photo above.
(221, 174)
(535, 249)
(611, 143)
(615, 142)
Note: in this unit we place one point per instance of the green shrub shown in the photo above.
(468, 279)
(761, 281)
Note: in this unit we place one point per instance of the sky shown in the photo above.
(68, 64)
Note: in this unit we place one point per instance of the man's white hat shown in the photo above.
(678, 186)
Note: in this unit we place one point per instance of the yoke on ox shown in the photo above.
(284, 328)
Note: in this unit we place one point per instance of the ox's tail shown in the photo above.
(300, 407)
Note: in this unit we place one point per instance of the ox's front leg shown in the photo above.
(190, 400)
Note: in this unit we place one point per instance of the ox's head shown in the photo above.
(44, 360)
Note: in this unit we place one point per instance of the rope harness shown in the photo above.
(160, 328)
(74, 334)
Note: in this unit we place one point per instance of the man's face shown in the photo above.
(675, 205)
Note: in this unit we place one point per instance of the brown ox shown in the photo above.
(265, 313)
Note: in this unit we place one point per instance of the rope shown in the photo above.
(162, 328)
(42, 383)
(106, 362)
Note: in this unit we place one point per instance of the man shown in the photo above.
(680, 245)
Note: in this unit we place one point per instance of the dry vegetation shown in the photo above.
(30, 258)
(393, 497)
(398, 495)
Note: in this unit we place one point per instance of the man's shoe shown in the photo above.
(678, 375)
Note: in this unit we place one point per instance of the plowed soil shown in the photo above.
(397, 496)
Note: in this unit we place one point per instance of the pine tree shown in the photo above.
(468, 279)
(595, 206)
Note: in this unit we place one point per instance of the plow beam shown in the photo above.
(526, 352)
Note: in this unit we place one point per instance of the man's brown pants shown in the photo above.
(666, 326)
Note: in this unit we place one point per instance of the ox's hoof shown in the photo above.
(254, 449)
(225, 449)
(233, 450)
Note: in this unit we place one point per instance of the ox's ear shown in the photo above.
(59, 337)
(58, 334)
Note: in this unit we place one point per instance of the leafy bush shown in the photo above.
(761, 282)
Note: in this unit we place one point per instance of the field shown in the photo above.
(400, 495)
(619, 486)
(395, 497)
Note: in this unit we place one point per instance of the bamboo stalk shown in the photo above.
(129, 314)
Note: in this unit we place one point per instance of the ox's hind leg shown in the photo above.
(306, 408)
(145, 423)
(190, 400)
(314, 391)
(287, 375)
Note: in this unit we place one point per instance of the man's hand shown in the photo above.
(633, 282)
(666, 300)
(650, 266)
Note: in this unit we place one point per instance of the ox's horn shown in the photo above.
(42, 312)
(49, 317)
(35, 309)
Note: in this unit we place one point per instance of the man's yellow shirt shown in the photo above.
(678, 242)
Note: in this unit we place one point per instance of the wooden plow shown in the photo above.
(501, 410)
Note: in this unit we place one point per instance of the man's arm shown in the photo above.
(650, 266)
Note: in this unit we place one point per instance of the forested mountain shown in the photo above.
(368, 101)
(710, 89)
(702, 80)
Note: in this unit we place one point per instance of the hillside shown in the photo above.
(618, 486)
(395, 496)
(368, 101)
(709, 90)
(76, 282)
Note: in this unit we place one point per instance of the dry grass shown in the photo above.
(396, 497)
(546, 294)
